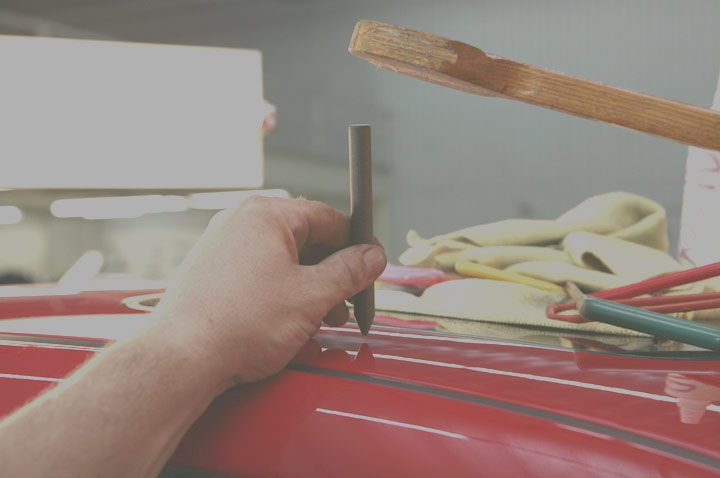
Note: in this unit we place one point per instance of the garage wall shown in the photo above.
(24, 249)
(448, 159)
(457, 160)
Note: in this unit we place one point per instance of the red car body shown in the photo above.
(403, 402)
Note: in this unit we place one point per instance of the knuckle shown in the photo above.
(260, 207)
(255, 202)
(353, 274)
(218, 217)
(251, 207)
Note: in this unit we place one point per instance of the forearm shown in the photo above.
(122, 414)
(249, 295)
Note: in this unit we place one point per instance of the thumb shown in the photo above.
(348, 271)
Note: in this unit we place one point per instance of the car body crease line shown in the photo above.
(466, 397)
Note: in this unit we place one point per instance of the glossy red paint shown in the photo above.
(627, 399)
(27, 369)
(338, 427)
(417, 403)
(59, 302)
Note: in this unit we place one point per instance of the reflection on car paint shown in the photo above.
(523, 405)
(391, 422)
(30, 377)
(572, 383)
(694, 395)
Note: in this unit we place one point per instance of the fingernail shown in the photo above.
(375, 259)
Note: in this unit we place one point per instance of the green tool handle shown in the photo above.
(654, 323)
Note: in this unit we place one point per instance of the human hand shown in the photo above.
(260, 281)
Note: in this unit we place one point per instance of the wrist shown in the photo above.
(189, 349)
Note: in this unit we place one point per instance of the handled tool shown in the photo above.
(361, 227)
(649, 322)
(463, 67)
(628, 295)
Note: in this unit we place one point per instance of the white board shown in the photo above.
(700, 220)
(98, 114)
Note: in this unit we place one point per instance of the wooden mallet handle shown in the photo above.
(463, 67)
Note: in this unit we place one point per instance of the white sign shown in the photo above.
(700, 226)
(98, 114)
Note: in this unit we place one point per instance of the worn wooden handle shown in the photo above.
(458, 65)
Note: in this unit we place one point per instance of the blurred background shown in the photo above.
(443, 159)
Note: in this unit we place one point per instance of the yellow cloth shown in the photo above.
(617, 214)
(599, 262)
(617, 256)
(487, 300)
(606, 241)
(505, 256)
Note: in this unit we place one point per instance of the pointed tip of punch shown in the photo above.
(364, 328)
(364, 322)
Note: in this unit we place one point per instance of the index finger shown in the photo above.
(315, 223)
